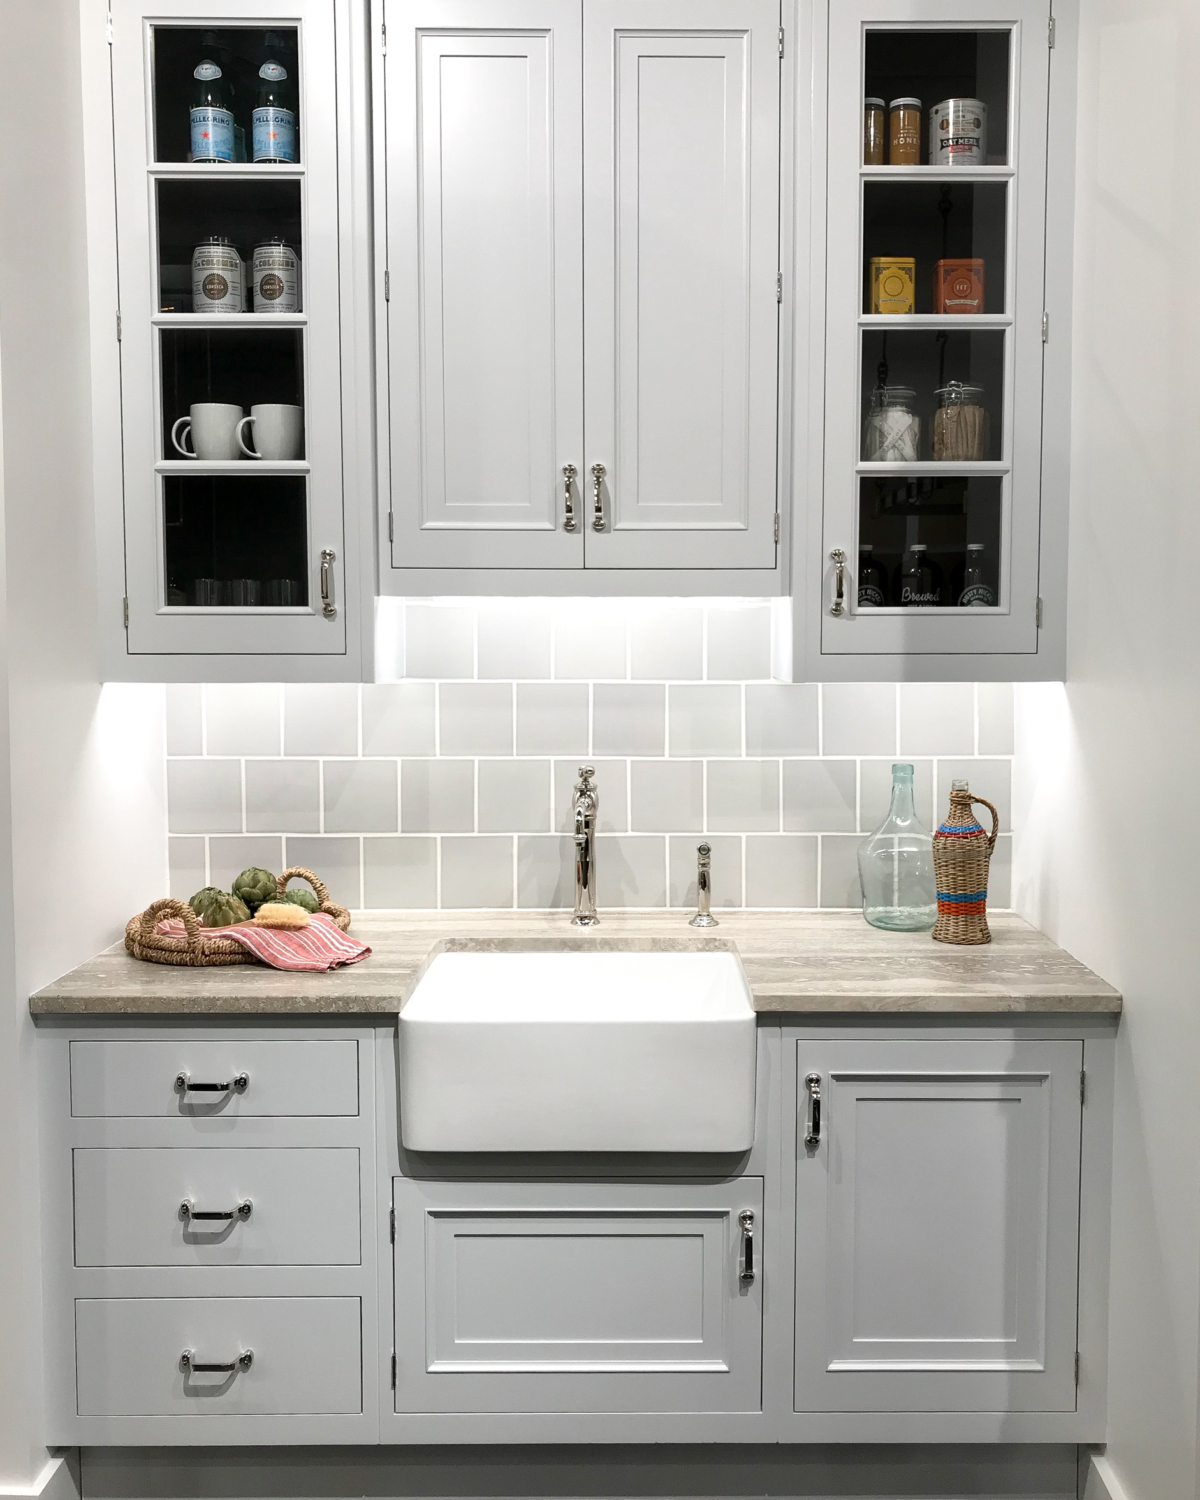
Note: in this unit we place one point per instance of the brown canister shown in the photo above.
(872, 132)
(962, 852)
(893, 284)
(904, 132)
(958, 285)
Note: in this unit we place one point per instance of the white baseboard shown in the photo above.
(59, 1480)
(1098, 1482)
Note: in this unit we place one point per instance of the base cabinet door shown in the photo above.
(559, 1297)
(937, 1224)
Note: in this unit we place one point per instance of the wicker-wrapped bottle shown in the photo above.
(962, 852)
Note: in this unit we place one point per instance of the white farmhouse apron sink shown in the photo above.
(578, 1051)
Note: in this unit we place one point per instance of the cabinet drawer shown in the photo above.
(303, 1206)
(143, 1078)
(306, 1356)
(522, 1297)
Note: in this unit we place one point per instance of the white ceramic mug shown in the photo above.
(277, 432)
(213, 426)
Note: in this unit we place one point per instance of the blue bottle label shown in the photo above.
(212, 134)
(274, 134)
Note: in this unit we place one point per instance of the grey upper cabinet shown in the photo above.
(579, 332)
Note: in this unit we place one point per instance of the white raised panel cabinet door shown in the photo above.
(937, 1220)
(484, 321)
(681, 231)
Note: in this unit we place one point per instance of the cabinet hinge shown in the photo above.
(391, 526)
(781, 41)
(387, 286)
(779, 287)
(1083, 1086)
(1077, 1367)
(1050, 33)
(125, 612)
(1045, 328)
(108, 28)
(1037, 612)
(776, 528)
(118, 325)
(383, 34)
(392, 1225)
(393, 1369)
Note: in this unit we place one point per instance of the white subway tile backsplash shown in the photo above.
(819, 796)
(995, 718)
(185, 719)
(437, 796)
(739, 642)
(839, 870)
(937, 718)
(631, 870)
(545, 872)
(725, 873)
(612, 783)
(628, 718)
(666, 643)
(552, 718)
(782, 719)
(360, 796)
(400, 872)
(781, 870)
(439, 641)
(204, 796)
(477, 872)
(514, 796)
(743, 796)
(336, 861)
(228, 857)
(990, 778)
(1000, 874)
(243, 718)
(320, 718)
(666, 796)
(399, 718)
(590, 640)
(283, 796)
(875, 791)
(705, 719)
(185, 867)
(514, 641)
(475, 718)
(858, 718)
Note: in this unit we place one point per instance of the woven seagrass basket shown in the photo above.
(201, 946)
(962, 852)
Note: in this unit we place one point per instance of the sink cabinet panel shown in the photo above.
(576, 1297)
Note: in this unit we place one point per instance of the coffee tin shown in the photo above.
(958, 133)
(218, 284)
(275, 277)
(893, 284)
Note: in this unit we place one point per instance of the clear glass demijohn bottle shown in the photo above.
(895, 865)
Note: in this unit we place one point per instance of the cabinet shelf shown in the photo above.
(937, 468)
(937, 174)
(966, 322)
(228, 320)
(222, 170)
(247, 467)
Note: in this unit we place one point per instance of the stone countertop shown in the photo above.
(795, 962)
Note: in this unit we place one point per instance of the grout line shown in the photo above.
(437, 865)
(207, 864)
(360, 720)
(975, 710)
(820, 720)
(362, 876)
(320, 796)
(820, 868)
(858, 824)
(204, 718)
(896, 690)
(242, 771)
(475, 785)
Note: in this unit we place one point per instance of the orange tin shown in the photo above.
(958, 285)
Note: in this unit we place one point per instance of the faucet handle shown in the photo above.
(585, 778)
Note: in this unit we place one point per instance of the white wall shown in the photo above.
(82, 836)
(1107, 766)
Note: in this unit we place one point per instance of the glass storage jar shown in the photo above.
(895, 865)
(960, 425)
(892, 430)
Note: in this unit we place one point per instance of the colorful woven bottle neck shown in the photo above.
(961, 822)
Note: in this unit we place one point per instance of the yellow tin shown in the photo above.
(893, 284)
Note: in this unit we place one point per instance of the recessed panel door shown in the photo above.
(484, 321)
(937, 1221)
(681, 184)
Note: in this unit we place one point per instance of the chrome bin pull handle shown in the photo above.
(746, 1220)
(812, 1128)
(189, 1365)
(328, 607)
(188, 1211)
(238, 1084)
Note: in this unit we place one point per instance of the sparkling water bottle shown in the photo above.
(895, 865)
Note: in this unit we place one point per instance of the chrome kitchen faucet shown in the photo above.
(587, 801)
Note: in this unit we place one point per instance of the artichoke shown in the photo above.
(254, 886)
(217, 908)
(303, 898)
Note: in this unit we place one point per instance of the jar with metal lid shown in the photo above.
(218, 277)
(275, 277)
(958, 133)
(904, 132)
(873, 132)
(892, 430)
(960, 425)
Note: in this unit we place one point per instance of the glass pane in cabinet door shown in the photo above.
(927, 542)
(235, 543)
(943, 97)
(934, 247)
(257, 373)
(932, 395)
(230, 247)
(227, 94)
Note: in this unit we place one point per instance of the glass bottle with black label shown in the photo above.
(275, 110)
(212, 106)
(918, 582)
(872, 580)
(976, 593)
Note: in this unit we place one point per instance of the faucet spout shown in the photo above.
(586, 805)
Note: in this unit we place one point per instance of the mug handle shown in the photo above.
(187, 452)
(249, 452)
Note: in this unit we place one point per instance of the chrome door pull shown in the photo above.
(238, 1084)
(328, 607)
(188, 1211)
(187, 1362)
(746, 1220)
(812, 1128)
(838, 558)
(598, 473)
(569, 472)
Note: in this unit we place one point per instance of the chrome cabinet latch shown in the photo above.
(746, 1220)
(569, 471)
(838, 558)
(812, 1125)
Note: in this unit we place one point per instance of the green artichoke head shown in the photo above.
(217, 908)
(254, 886)
(303, 898)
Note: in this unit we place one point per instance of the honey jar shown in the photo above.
(893, 284)
(904, 132)
(958, 285)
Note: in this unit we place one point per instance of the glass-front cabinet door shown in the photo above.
(937, 121)
(225, 134)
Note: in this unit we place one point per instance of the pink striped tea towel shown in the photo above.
(319, 946)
